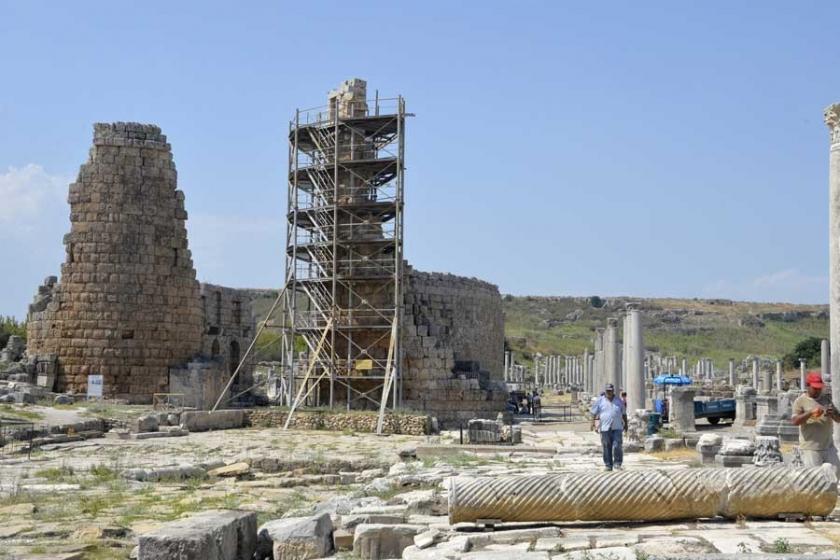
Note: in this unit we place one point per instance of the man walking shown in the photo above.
(613, 421)
(815, 415)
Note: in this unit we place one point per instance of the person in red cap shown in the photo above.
(815, 415)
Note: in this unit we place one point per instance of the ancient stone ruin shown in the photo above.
(453, 332)
(128, 306)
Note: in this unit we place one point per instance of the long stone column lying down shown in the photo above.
(638, 495)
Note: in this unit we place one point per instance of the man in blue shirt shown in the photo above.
(613, 419)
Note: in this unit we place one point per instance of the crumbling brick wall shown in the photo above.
(453, 347)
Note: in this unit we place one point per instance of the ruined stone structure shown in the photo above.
(453, 341)
(350, 296)
(128, 305)
(228, 327)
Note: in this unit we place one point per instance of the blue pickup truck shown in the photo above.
(714, 411)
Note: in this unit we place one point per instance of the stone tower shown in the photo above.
(127, 305)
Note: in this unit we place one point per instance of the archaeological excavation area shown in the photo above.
(365, 409)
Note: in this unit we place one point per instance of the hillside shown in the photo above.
(694, 328)
(716, 329)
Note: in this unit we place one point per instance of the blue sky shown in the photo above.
(612, 148)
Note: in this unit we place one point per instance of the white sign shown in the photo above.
(94, 386)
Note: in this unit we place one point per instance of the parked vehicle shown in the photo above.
(715, 411)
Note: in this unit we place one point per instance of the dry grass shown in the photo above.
(680, 454)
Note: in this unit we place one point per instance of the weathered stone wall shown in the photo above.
(362, 422)
(228, 328)
(453, 343)
(127, 305)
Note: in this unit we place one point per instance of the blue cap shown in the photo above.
(609, 387)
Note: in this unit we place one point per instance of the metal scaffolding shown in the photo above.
(344, 251)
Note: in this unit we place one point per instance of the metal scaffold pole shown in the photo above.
(344, 251)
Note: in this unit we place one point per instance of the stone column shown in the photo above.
(635, 360)
(732, 372)
(682, 409)
(599, 360)
(832, 119)
(755, 374)
(767, 385)
(612, 365)
(744, 400)
(625, 352)
(586, 373)
(825, 360)
(683, 367)
(802, 375)
(779, 375)
(507, 366)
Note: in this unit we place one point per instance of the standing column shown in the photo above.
(732, 372)
(612, 363)
(599, 361)
(635, 360)
(778, 375)
(755, 374)
(832, 119)
(767, 385)
(586, 373)
(802, 375)
(549, 376)
(625, 351)
(825, 360)
(682, 367)
(507, 366)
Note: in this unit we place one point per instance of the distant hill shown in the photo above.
(715, 328)
(712, 328)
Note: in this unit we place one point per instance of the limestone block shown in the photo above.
(296, 538)
(232, 470)
(654, 443)
(147, 423)
(209, 535)
(202, 421)
(733, 446)
(377, 542)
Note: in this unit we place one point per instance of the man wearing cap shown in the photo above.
(815, 415)
(613, 421)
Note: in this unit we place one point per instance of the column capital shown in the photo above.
(832, 120)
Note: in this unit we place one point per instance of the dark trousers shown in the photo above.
(611, 443)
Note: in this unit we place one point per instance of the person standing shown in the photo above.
(610, 411)
(815, 415)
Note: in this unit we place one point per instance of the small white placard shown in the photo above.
(94, 386)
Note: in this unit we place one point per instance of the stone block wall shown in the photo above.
(228, 326)
(127, 305)
(362, 422)
(201, 382)
(453, 347)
